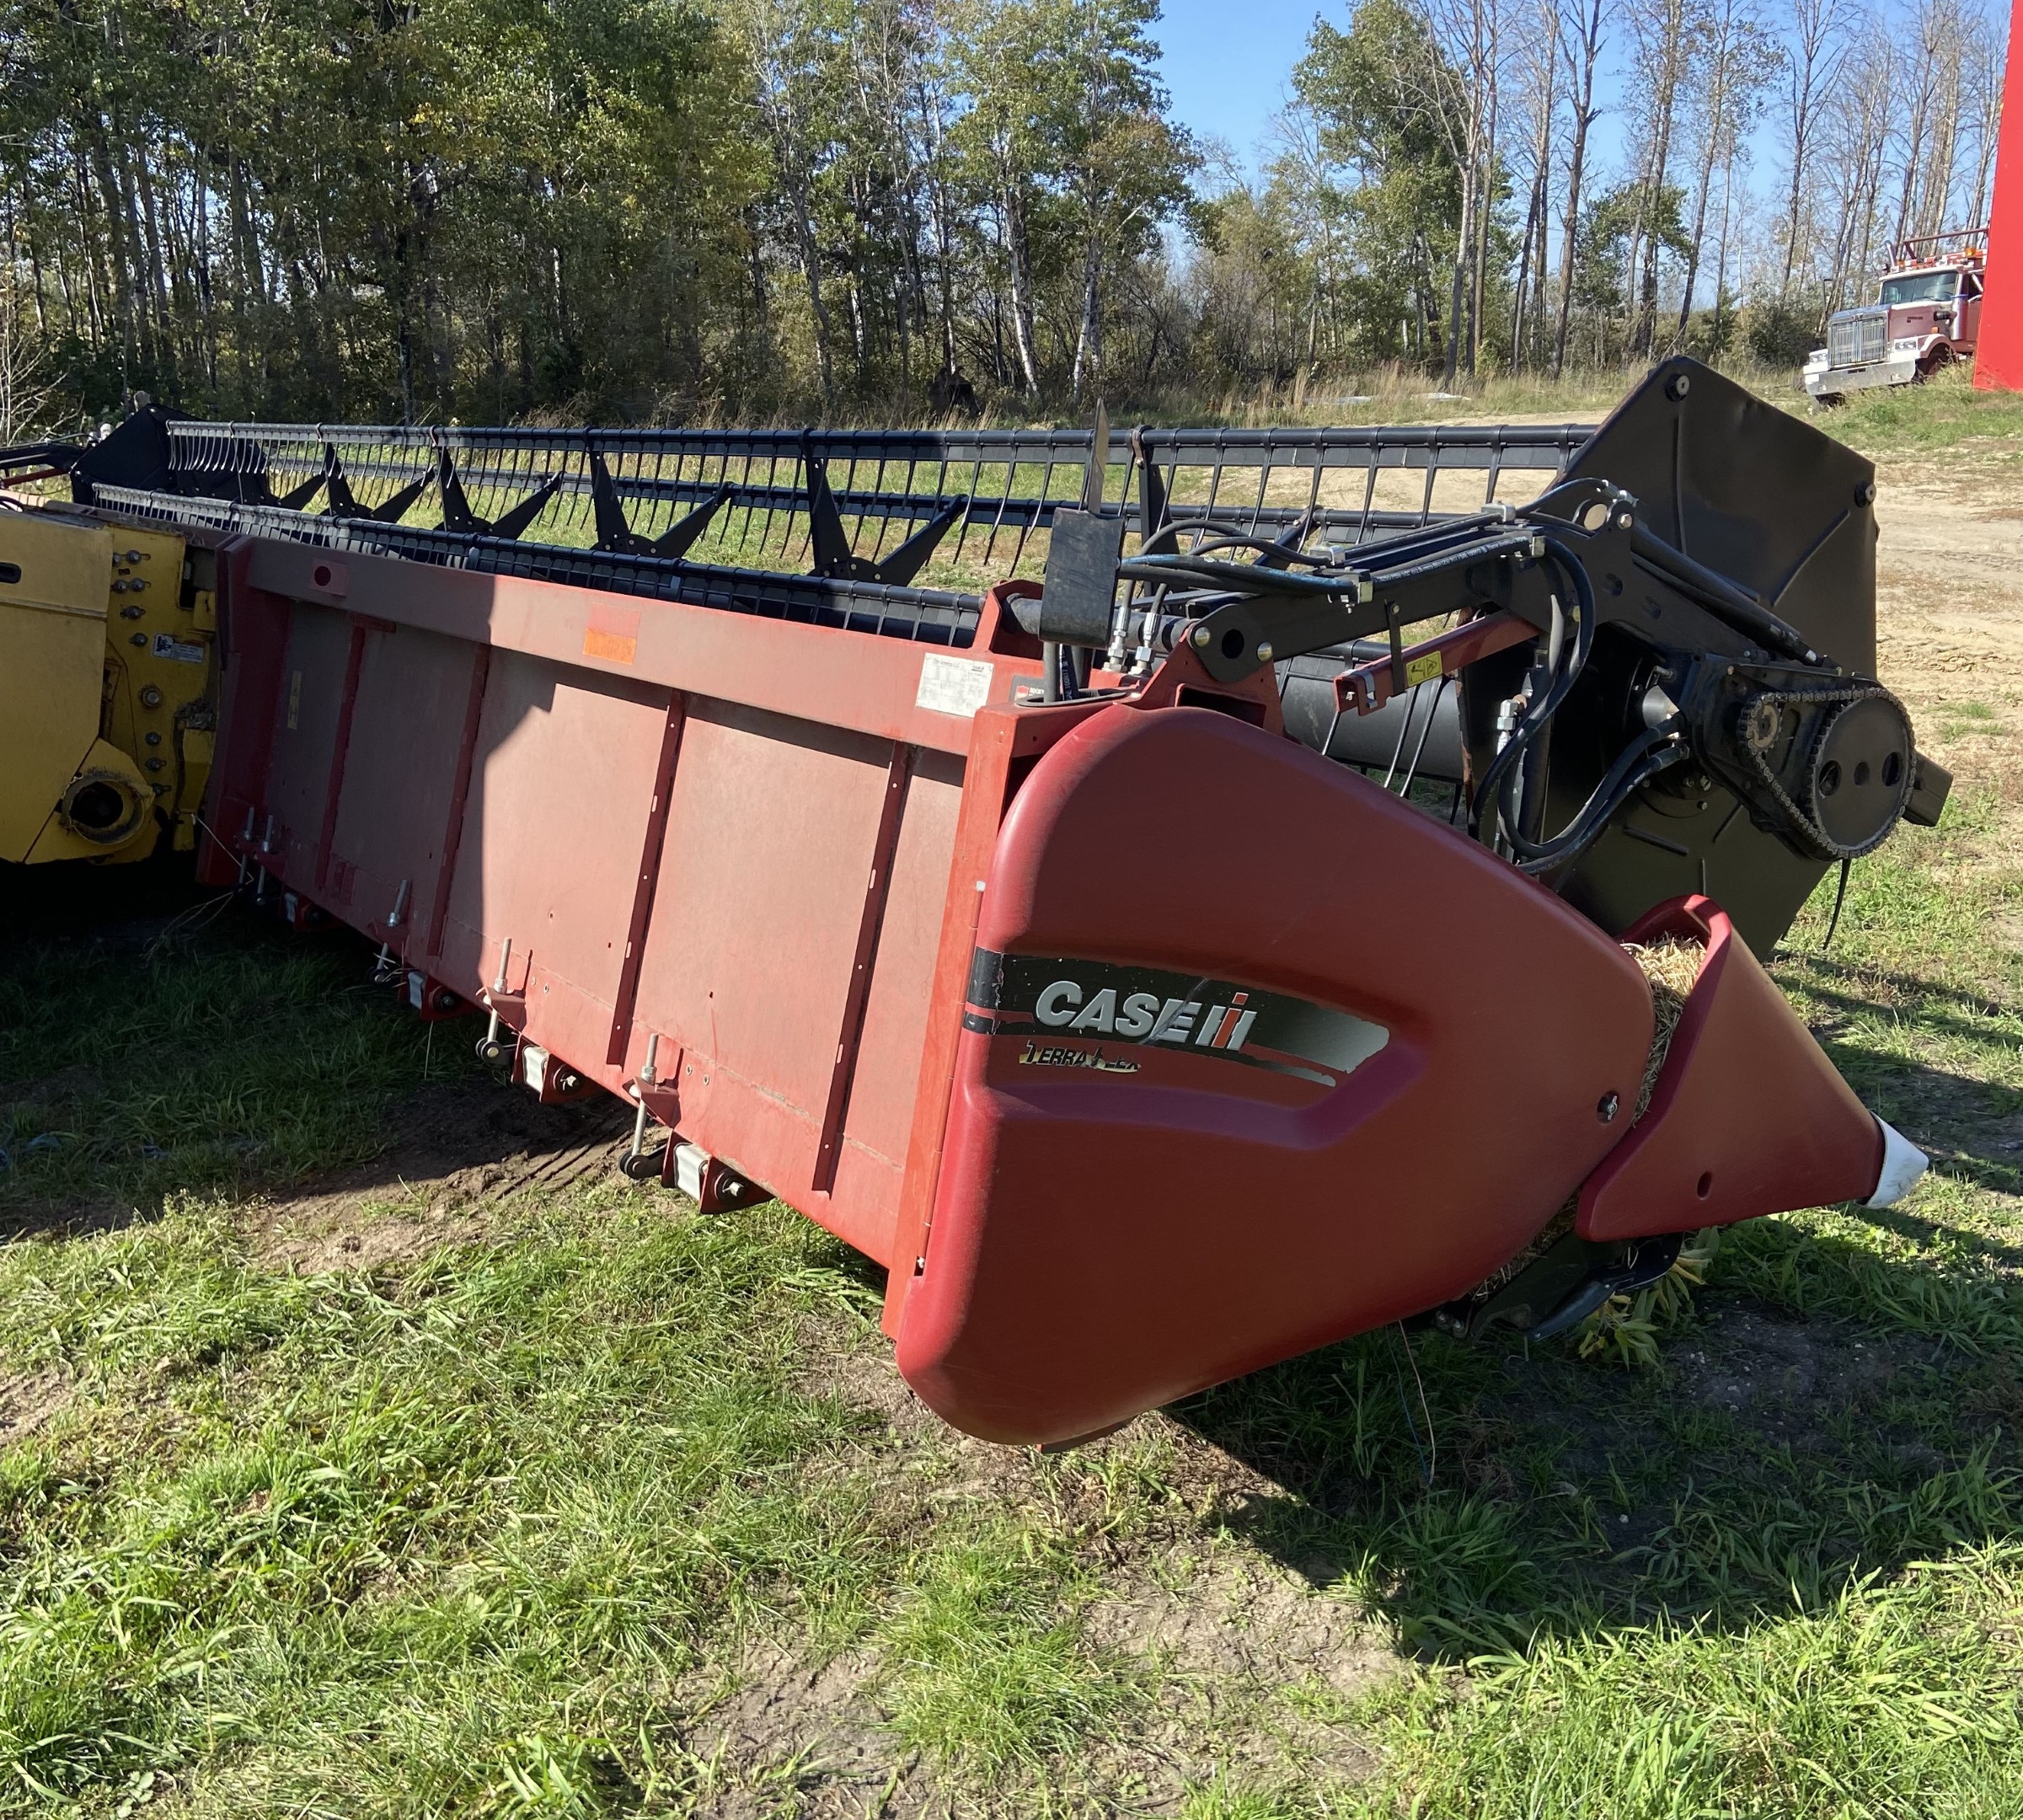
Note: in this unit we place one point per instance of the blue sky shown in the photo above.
(1228, 63)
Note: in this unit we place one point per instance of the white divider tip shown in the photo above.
(1902, 1164)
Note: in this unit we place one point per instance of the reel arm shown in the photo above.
(1712, 680)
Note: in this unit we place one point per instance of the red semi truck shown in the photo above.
(1926, 316)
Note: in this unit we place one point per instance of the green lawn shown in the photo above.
(1942, 415)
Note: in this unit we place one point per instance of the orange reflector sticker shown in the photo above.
(614, 633)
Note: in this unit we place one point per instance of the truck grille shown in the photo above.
(1855, 341)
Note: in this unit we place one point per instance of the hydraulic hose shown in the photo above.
(1650, 752)
(1547, 704)
(1634, 766)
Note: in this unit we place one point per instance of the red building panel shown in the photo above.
(1999, 356)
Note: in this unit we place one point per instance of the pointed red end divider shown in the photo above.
(1749, 1117)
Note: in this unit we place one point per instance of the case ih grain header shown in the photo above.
(1174, 899)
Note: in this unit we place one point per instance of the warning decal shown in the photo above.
(953, 685)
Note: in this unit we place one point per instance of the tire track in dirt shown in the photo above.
(456, 1153)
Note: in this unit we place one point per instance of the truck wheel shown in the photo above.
(1937, 361)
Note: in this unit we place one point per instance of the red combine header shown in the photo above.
(1223, 944)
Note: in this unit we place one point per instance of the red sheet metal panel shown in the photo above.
(1749, 1117)
(772, 832)
(879, 1117)
(561, 789)
(817, 673)
(252, 645)
(645, 882)
(732, 833)
(312, 704)
(400, 775)
(1444, 1051)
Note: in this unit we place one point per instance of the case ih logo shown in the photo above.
(1045, 1001)
(1145, 1014)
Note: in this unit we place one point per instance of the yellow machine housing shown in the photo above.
(108, 704)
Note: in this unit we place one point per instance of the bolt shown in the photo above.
(1264, 654)
(1865, 494)
(1677, 387)
(154, 739)
(156, 764)
(1201, 634)
(151, 697)
(119, 587)
(131, 612)
(139, 641)
(1607, 1110)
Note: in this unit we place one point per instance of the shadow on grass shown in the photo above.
(1969, 1128)
(157, 1041)
(1826, 1413)
(1952, 1010)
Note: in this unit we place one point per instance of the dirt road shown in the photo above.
(1949, 567)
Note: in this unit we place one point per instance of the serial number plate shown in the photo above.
(178, 651)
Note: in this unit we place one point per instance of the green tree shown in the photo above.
(1399, 195)
(1066, 132)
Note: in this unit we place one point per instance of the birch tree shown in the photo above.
(1816, 50)
(1583, 42)
(1735, 62)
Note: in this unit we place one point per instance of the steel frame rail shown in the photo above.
(923, 615)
